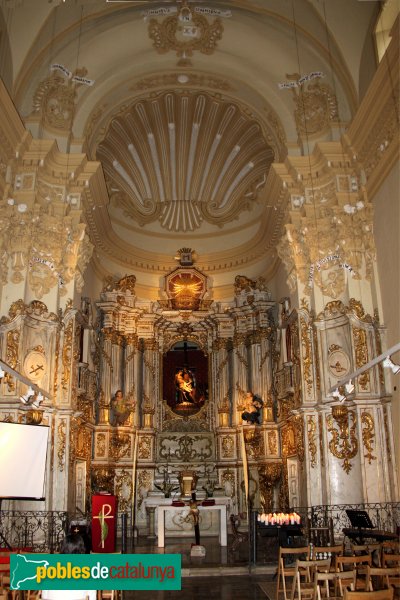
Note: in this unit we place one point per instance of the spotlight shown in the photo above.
(389, 364)
(37, 400)
(349, 387)
(25, 399)
(338, 396)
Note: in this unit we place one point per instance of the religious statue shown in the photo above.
(119, 409)
(252, 411)
(185, 386)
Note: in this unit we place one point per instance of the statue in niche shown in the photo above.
(252, 409)
(119, 409)
(185, 386)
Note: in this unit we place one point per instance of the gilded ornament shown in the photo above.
(306, 353)
(361, 355)
(387, 434)
(368, 435)
(67, 355)
(187, 34)
(272, 442)
(100, 445)
(12, 352)
(288, 441)
(144, 483)
(269, 476)
(228, 482)
(123, 489)
(321, 440)
(312, 446)
(171, 79)
(344, 443)
(62, 437)
(120, 445)
(357, 308)
(145, 446)
(227, 446)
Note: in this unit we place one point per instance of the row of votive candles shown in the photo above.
(279, 518)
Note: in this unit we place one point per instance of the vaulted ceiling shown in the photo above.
(183, 105)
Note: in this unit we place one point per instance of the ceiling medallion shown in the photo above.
(187, 30)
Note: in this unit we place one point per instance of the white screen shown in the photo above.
(23, 450)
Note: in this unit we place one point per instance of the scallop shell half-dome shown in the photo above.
(183, 158)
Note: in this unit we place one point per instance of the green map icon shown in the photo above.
(24, 569)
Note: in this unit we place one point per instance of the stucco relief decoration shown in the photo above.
(327, 240)
(143, 483)
(186, 448)
(100, 445)
(50, 246)
(12, 354)
(55, 99)
(288, 441)
(227, 446)
(67, 355)
(120, 445)
(312, 446)
(368, 435)
(62, 437)
(269, 476)
(123, 489)
(315, 106)
(145, 445)
(361, 356)
(184, 187)
(185, 288)
(342, 426)
(272, 442)
(186, 30)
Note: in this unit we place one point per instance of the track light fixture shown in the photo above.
(389, 364)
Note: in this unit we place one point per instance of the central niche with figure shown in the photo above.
(185, 378)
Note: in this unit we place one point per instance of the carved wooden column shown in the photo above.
(221, 380)
(130, 370)
(240, 373)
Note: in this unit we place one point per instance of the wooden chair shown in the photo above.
(390, 560)
(303, 579)
(384, 577)
(339, 581)
(357, 563)
(375, 550)
(284, 570)
(377, 595)
(240, 535)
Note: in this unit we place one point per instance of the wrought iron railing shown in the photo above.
(40, 531)
(383, 515)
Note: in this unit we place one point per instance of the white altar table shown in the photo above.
(161, 510)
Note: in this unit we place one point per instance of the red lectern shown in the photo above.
(104, 526)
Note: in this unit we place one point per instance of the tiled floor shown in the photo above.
(219, 575)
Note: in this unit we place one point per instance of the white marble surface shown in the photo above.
(183, 511)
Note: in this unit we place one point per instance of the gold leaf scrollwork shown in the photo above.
(344, 443)
(227, 446)
(67, 355)
(269, 475)
(144, 482)
(361, 351)
(272, 442)
(321, 440)
(100, 445)
(387, 434)
(368, 435)
(144, 447)
(123, 489)
(62, 436)
(312, 446)
(306, 354)
(13, 338)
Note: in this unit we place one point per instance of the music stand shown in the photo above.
(359, 519)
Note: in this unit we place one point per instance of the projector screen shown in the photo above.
(23, 450)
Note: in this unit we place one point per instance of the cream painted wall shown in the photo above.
(387, 237)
